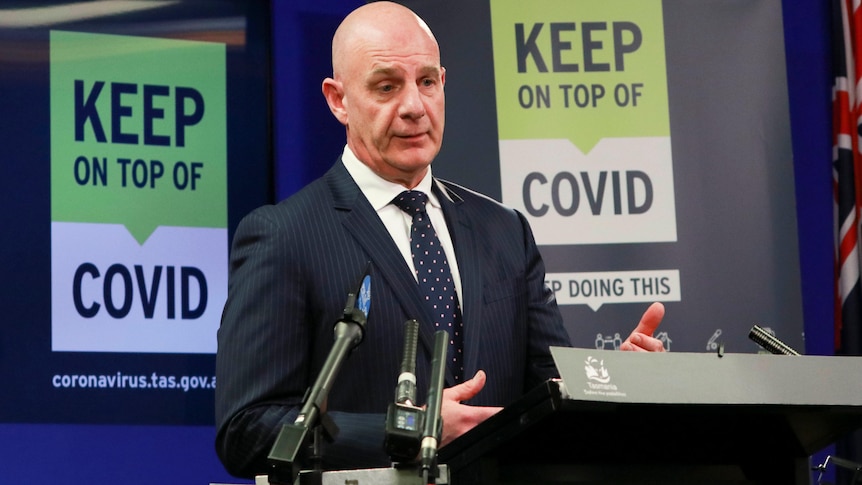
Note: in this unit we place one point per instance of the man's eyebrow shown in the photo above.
(433, 71)
(391, 71)
(383, 71)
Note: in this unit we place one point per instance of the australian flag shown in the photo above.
(847, 181)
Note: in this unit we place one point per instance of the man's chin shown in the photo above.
(415, 157)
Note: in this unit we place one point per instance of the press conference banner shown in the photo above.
(585, 148)
(138, 194)
(647, 142)
(582, 117)
(133, 144)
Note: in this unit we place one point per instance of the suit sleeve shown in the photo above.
(545, 323)
(263, 360)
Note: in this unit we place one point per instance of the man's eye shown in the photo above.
(427, 82)
(386, 88)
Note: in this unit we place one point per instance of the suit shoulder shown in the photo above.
(482, 202)
(304, 204)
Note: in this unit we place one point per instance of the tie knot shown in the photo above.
(411, 201)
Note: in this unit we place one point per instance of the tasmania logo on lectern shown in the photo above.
(138, 193)
(599, 379)
(596, 371)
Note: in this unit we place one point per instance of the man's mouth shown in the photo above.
(414, 136)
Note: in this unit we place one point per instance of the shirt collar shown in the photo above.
(378, 190)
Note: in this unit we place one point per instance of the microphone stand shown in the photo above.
(312, 421)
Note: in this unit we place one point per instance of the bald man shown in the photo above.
(293, 264)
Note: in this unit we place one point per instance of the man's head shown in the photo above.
(387, 90)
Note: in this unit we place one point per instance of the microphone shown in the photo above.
(769, 342)
(433, 419)
(404, 420)
(405, 393)
(361, 300)
(349, 333)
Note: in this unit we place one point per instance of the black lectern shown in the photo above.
(673, 418)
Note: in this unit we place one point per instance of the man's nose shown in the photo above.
(411, 103)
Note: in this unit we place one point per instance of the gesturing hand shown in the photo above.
(641, 339)
(459, 418)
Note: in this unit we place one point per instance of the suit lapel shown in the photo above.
(468, 255)
(362, 222)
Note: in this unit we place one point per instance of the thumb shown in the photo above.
(467, 389)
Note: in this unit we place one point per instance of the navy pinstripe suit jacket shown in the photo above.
(292, 266)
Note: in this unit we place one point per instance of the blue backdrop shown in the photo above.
(306, 142)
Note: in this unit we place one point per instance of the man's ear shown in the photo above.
(334, 93)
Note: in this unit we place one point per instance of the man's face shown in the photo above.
(394, 103)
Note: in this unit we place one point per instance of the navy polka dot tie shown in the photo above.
(434, 276)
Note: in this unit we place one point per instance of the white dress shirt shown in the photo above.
(380, 194)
